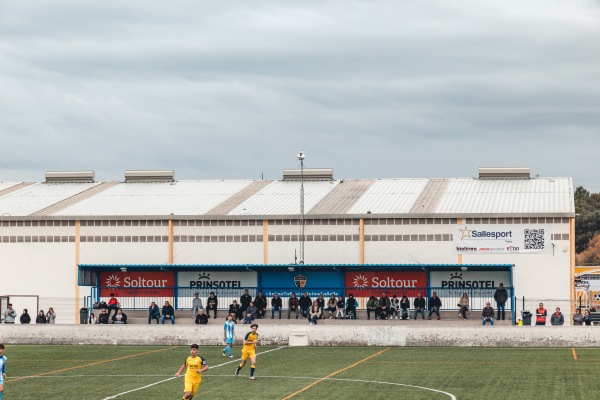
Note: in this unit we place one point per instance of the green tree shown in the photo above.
(587, 223)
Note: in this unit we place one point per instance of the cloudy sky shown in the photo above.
(233, 89)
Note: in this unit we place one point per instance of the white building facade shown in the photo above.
(503, 217)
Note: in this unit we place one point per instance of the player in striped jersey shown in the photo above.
(228, 336)
(249, 351)
(2, 369)
(196, 365)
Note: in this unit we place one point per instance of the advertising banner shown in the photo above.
(374, 283)
(137, 284)
(311, 282)
(217, 279)
(486, 239)
(479, 286)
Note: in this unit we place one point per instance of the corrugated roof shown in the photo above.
(389, 196)
(283, 198)
(35, 197)
(508, 196)
(460, 197)
(158, 198)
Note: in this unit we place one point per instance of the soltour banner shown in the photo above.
(374, 283)
(137, 284)
(486, 239)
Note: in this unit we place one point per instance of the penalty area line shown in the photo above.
(313, 378)
(174, 377)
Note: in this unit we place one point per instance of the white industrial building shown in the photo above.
(61, 236)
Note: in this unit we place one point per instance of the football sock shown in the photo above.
(228, 350)
(1, 394)
(252, 368)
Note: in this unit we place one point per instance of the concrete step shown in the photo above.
(448, 318)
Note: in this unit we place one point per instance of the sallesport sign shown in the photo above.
(486, 239)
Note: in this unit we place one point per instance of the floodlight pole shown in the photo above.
(301, 157)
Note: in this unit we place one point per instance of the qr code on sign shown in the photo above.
(534, 239)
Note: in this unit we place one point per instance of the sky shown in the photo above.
(235, 89)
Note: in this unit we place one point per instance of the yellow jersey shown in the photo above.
(250, 336)
(193, 364)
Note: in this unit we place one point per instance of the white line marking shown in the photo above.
(349, 380)
(174, 377)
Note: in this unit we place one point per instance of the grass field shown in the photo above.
(147, 372)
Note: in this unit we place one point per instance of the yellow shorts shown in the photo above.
(191, 387)
(246, 353)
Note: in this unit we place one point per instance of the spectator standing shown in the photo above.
(235, 311)
(201, 318)
(372, 307)
(245, 300)
(340, 307)
(119, 317)
(488, 314)
(384, 305)
(305, 302)
(405, 308)
(168, 312)
(41, 318)
(351, 305)
(434, 305)
(315, 313)
(103, 317)
(500, 296)
(10, 314)
(113, 304)
(587, 318)
(293, 305)
(540, 315)
(419, 305)
(260, 302)
(250, 313)
(211, 304)
(153, 312)
(557, 318)
(25, 318)
(394, 307)
(51, 316)
(276, 305)
(196, 305)
(463, 306)
(578, 317)
(331, 305)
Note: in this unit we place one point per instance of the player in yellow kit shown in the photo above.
(196, 365)
(249, 351)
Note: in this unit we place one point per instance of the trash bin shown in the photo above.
(526, 317)
(83, 315)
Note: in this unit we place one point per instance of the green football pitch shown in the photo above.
(147, 372)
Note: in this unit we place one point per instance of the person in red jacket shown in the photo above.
(540, 315)
(113, 304)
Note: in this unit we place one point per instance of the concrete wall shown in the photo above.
(320, 335)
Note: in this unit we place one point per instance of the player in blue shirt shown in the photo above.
(228, 336)
(2, 369)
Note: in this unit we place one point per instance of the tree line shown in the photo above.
(587, 227)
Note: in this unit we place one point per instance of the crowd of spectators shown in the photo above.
(249, 309)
